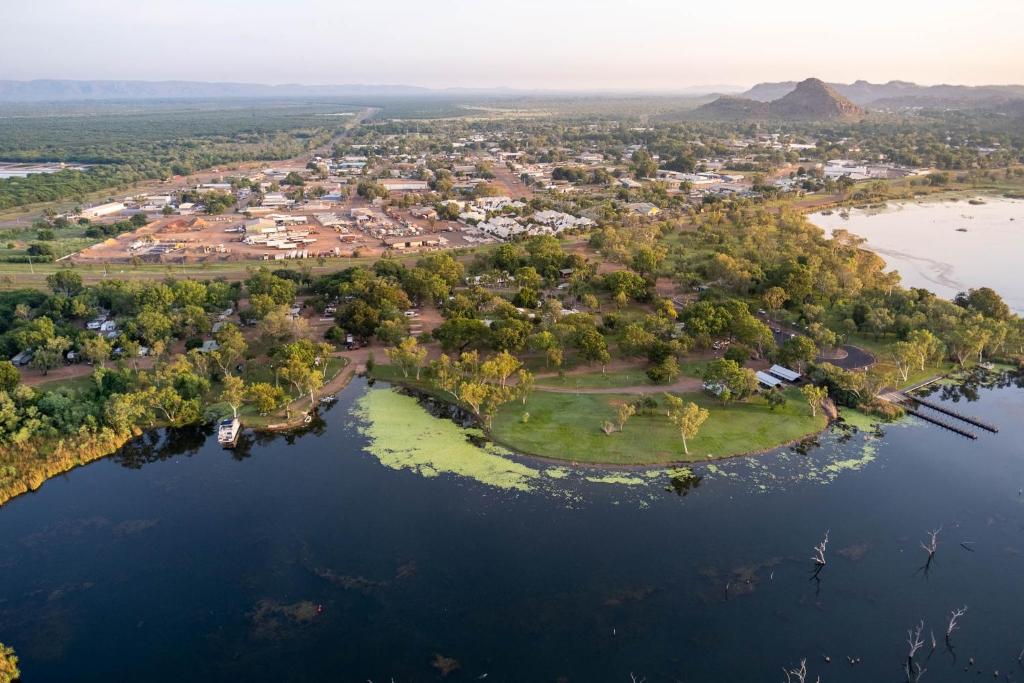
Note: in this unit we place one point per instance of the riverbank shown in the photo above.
(28, 466)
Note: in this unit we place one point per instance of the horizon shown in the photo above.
(650, 46)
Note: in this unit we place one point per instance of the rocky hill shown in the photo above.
(897, 94)
(813, 99)
(809, 100)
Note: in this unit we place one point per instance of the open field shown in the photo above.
(568, 427)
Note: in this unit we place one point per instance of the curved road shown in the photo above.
(856, 358)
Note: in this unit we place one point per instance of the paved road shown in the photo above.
(856, 358)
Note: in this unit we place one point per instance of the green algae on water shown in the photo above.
(623, 479)
(557, 472)
(403, 435)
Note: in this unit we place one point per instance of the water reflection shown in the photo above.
(311, 560)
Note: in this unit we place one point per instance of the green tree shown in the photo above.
(266, 397)
(50, 354)
(905, 355)
(95, 349)
(797, 351)
(735, 382)
(664, 372)
(644, 165)
(775, 399)
(774, 298)
(9, 376)
(592, 346)
(231, 348)
(233, 392)
(623, 413)
(687, 418)
(66, 282)
(814, 395)
(408, 355)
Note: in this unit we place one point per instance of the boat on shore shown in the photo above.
(228, 431)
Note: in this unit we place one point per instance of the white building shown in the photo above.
(104, 210)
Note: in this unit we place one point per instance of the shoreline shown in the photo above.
(419, 394)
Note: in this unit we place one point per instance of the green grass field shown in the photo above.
(568, 427)
(597, 380)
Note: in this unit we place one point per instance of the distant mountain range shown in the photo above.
(808, 100)
(67, 90)
(901, 94)
(72, 90)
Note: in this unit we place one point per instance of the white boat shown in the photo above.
(227, 431)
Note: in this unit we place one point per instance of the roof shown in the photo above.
(784, 373)
(767, 380)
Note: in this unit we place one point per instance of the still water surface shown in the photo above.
(177, 560)
(945, 246)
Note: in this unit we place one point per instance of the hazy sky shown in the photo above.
(621, 44)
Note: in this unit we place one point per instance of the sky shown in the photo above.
(542, 44)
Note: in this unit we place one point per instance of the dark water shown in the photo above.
(179, 561)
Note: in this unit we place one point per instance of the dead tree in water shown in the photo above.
(954, 619)
(798, 675)
(819, 556)
(931, 546)
(911, 668)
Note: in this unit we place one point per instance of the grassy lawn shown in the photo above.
(568, 427)
(72, 383)
(597, 380)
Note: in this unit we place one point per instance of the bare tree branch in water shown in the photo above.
(911, 668)
(798, 675)
(954, 619)
(819, 555)
(819, 551)
(634, 679)
(932, 546)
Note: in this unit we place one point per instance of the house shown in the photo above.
(275, 199)
(644, 209)
(108, 326)
(405, 185)
(767, 380)
(413, 242)
(209, 346)
(502, 227)
(494, 203)
(559, 221)
(472, 217)
(260, 226)
(784, 373)
(423, 212)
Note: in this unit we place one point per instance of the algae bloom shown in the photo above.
(404, 436)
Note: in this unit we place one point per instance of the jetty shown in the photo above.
(913, 404)
(969, 419)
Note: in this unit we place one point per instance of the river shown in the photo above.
(945, 246)
(326, 556)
